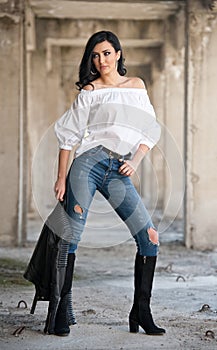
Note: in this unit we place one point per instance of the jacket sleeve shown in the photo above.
(38, 270)
(70, 127)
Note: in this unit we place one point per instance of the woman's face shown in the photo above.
(105, 58)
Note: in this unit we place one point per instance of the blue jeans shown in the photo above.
(96, 170)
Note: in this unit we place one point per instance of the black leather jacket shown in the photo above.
(46, 270)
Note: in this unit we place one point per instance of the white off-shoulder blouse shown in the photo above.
(118, 118)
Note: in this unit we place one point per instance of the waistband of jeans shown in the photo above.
(115, 155)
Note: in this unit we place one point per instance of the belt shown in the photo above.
(116, 155)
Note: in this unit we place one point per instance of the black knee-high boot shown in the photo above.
(140, 314)
(62, 316)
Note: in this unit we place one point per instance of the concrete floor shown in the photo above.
(103, 291)
(185, 280)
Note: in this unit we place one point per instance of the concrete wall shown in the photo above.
(168, 99)
(11, 103)
(174, 113)
(201, 224)
(43, 109)
(38, 67)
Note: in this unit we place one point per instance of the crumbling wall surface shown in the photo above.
(10, 33)
(174, 111)
(201, 224)
(36, 81)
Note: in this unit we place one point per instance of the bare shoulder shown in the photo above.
(137, 83)
(88, 87)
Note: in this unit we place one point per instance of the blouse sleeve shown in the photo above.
(70, 127)
(152, 130)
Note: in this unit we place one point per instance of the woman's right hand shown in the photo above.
(60, 188)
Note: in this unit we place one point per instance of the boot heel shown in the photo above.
(133, 326)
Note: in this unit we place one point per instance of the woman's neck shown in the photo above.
(114, 79)
(109, 82)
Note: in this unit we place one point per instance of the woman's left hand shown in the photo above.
(130, 166)
(127, 168)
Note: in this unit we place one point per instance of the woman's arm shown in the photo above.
(130, 166)
(60, 184)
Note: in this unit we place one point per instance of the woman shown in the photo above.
(115, 125)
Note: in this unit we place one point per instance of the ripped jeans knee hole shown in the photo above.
(153, 235)
(78, 210)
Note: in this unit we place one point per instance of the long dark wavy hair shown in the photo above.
(87, 70)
